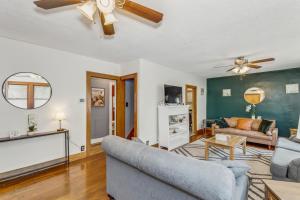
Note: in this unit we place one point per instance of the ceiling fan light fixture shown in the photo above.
(88, 9)
(236, 70)
(244, 70)
(109, 18)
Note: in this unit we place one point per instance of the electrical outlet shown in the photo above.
(82, 148)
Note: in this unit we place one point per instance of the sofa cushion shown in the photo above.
(294, 169)
(251, 134)
(222, 123)
(255, 124)
(265, 126)
(232, 131)
(244, 124)
(281, 160)
(232, 122)
(285, 143)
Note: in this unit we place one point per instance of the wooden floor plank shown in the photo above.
(82, 180)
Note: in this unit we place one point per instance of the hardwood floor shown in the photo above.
(82, 180)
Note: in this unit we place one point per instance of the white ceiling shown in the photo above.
(195, 35)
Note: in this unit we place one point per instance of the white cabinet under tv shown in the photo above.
(173, 123)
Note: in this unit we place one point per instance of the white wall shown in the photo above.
(151, 80)
(66, 73)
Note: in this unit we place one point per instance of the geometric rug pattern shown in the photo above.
(258, 159)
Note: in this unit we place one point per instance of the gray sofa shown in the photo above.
(135, 171)
(285, 163)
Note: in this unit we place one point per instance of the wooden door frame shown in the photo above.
(133, 77)
(195, 106)
(90, 148)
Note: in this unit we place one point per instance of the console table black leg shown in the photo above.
(68, 137)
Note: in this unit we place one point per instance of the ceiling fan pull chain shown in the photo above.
(120, 3)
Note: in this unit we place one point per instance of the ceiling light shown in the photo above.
(107, 7)
(88, 9)
(109, 18)
(236, 70)
(244, 70)
(241, 69)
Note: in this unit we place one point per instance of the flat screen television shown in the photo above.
(173, 94)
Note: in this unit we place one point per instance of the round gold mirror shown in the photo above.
(254, 95)
(26, 90)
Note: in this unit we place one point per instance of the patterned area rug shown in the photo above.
(257, 159)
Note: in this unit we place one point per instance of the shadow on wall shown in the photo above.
(278, 105)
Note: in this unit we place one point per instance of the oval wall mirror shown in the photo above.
(26, 90)
(254, 95)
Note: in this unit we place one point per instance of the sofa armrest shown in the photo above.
(239, 168)
(274, 136)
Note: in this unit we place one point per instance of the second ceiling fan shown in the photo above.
(242, 65)
(104, 9)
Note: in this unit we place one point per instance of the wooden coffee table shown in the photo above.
(280, 190)
(231, 143)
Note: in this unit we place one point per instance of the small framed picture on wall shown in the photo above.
(226, 92)
(98, 97)
(292, 88)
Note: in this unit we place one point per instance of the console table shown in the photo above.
(18, 173)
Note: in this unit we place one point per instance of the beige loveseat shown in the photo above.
(252, 135)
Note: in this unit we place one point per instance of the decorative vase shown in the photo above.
(32, 125)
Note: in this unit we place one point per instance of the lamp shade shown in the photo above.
(109, 18)
(60, 116)
(88, 9)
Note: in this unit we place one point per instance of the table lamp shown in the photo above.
(60, 116)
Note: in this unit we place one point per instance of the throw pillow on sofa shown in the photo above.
(222, 123)
(244, 124)
(232, 122)
(256, 124)
(265, 125)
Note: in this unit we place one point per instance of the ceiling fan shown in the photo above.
(104, 9)
(242, 65)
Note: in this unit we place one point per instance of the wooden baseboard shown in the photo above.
(78, 156)
(155, 145)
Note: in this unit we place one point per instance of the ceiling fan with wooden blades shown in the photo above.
(242, 65)
(104, 9)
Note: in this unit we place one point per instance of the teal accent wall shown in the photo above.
(285, 108)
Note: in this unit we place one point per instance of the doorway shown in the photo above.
(101, 105)
(129, 86)
(191, 101)
(106, 108)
